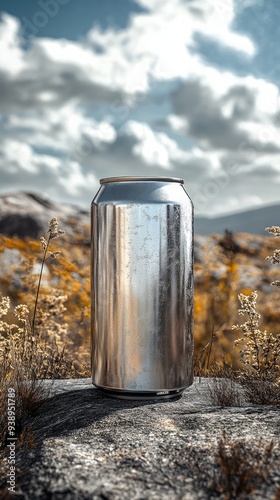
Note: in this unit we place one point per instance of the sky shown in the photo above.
(181, 88)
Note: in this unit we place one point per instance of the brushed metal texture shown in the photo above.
(142, 285)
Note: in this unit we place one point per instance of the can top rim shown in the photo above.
(124, 178)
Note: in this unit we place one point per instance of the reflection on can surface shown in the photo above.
(142, 287)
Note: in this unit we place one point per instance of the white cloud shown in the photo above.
(112, 63)
(52, 140)
(138, 150)
(160, 44)
(18, 156)
(12, 58)
(152, 148)
(49, 73)
(203, 17)
(21, 168)
(64, 130)
(223, 110)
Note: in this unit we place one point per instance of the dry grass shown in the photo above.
(224, 387)
(228, 387)
(258, 371)
(241, 469)
(224, 392)
(219, 279)
(30, 395)
(259, 391)
(30, 350)
(234, 469)
(216, 294)
(63, 305)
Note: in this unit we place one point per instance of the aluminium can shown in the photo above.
(142, 287)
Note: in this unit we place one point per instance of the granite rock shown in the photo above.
(88, 446)
(27, 215)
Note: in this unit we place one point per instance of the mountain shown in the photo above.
(250, 221)
(27, 214)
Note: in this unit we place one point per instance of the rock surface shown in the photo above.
(88, 446)
(28, 214)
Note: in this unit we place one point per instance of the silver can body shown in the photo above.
(142, 287)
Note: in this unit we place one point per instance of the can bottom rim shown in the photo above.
(141, 395)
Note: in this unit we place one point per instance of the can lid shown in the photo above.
(143, 179)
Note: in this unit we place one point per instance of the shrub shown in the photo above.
(232, 468)
(240, 469)
(29, 349)
(260, 351)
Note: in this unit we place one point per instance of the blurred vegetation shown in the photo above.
(64, 304)
(40, 337)
(219, 284)
(63, 311)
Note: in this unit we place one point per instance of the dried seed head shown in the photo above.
(21, 312)
(53, 255)
(260, 348)
(44, 242)
(4, 306)
(275, 258)
(275, 283)
(53, 229)
(275, 230)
